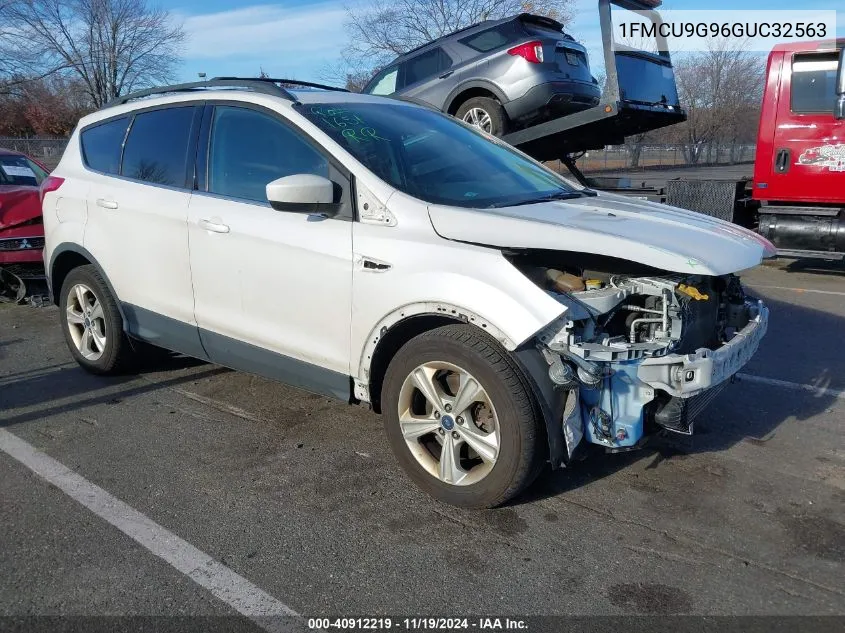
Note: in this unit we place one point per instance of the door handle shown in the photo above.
(214, 227)
(782, 161)
(106, 204)
(446, 74)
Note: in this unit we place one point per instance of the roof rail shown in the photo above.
(258, 85)
(288, 82)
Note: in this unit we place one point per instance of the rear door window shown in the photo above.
(101, 145)
(814, 83)
(425, 65)
(157, 147)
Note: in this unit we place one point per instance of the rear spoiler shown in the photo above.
(540, 20)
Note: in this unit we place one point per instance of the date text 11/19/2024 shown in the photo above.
(420, 624)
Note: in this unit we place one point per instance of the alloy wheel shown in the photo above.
(86, 322)
(479, 118)
(449, 423)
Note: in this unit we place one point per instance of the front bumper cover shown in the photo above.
(687, 375)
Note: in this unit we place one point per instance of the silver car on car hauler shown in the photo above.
(497, 74)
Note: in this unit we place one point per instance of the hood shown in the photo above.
(648, 233)
(18, 205)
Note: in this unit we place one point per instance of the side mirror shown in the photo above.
(304, 193)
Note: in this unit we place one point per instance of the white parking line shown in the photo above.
(799, 290)
(222, 582)
(796, 386)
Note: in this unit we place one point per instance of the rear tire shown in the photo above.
(92, 324)
(503, 422)
(485, 113)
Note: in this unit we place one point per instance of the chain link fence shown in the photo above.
(629, 157)
(45, 150)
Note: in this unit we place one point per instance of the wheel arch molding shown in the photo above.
(400, 326)
(64, 258)
(457, 96)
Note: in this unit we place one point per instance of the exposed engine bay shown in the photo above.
(640, 348)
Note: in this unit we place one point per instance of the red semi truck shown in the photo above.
(799, 171)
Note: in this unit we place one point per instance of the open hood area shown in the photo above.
(648, 233)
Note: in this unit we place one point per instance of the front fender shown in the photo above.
(551, 401)
(510, 317)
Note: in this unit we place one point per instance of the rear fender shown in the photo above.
(451, 105)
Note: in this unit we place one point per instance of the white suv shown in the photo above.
(498, 315)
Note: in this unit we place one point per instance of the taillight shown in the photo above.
(532, 51)
(51, 183)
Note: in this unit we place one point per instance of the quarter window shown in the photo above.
(250, 149)
(814, 83)
(157, 148)
(101, 145)
(489, 39)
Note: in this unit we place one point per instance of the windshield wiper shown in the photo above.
(559, 195)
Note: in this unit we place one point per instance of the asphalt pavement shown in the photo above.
(298, 497)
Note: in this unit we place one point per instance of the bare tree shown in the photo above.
(379, 30)
(350, 73)
(721, 89)
(112, 46)
(11, 59)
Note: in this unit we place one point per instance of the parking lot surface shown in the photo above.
(301, 498)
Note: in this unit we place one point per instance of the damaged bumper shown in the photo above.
(687, 375)
(636, 396)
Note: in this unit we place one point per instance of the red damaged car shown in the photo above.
(21, 227)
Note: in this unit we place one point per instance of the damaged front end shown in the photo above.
(639, 349)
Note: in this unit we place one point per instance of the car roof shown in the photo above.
(225, 94)
(10, 152)
(472, 29)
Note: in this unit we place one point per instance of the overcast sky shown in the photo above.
(299, 38)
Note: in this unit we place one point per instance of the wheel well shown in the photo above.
(392, 341)
(64, 263)
(459, 100)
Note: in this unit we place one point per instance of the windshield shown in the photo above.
(19, 170)
(433, 157)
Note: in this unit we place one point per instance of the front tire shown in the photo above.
(461, 418)
(92, 323)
